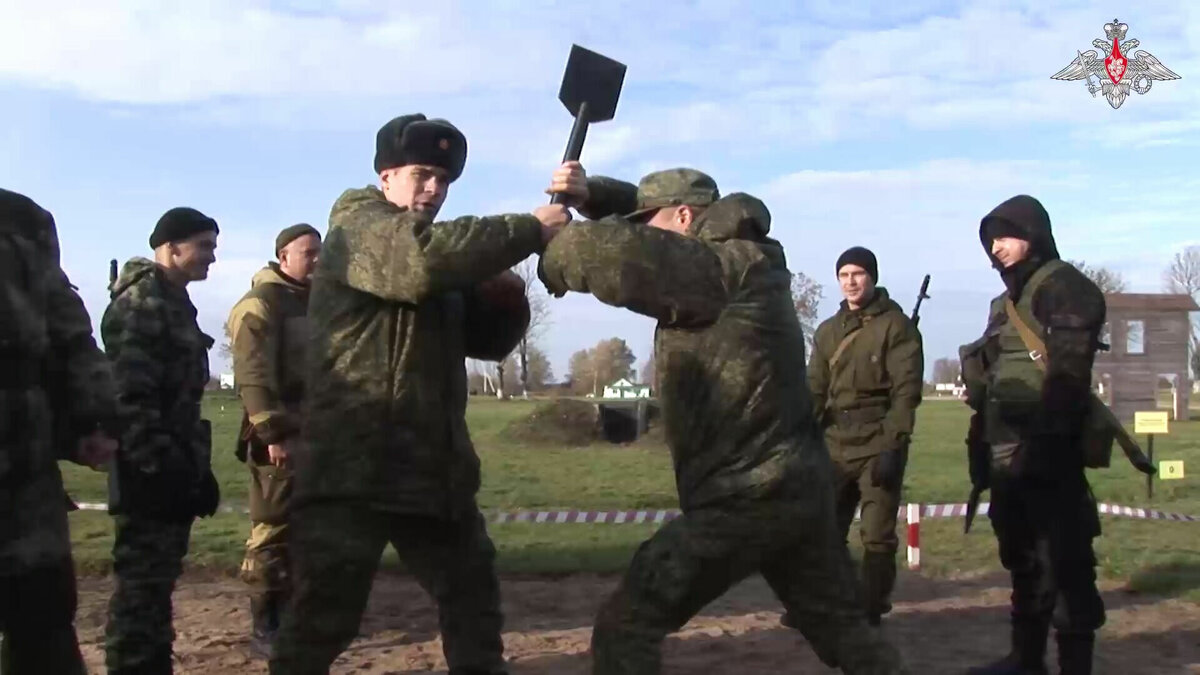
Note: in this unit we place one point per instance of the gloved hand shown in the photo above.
(208, 495)
(888, 469)
(165, 494)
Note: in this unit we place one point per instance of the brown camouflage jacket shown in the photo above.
(268, 331)
(55, 386)
(736, 408)
(392, 317)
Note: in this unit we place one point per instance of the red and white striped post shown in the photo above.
(914, 536)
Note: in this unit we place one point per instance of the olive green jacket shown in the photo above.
(868, 398)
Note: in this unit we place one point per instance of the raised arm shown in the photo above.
(676, 279)
(376, 247)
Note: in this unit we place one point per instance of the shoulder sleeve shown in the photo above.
(1071, 310)
(400, 256)
(133, 329)
(675, 279)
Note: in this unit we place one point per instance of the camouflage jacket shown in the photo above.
(392, 317)
(55, 386)
(160, 361)
(736, 408)
(867, 400)
(268, 331)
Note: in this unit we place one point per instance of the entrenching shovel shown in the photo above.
(590, 89)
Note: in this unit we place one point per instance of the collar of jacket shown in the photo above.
(879, 303)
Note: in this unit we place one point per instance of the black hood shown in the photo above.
(1024, 215)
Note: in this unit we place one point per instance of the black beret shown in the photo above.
(863, 257)
(412, 139)
(179, 223)
(290, 234)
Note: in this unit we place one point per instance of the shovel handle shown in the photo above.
(574, 144)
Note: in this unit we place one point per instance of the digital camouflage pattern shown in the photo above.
(55, 387)
(394, 313)
(163, 473)
(753, 476)
(866, 402)
(337, 548)
(1042, 510)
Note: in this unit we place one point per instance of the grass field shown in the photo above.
(1153, 556)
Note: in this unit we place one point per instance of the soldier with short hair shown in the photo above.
(163, 476)
(268, 330)
(754, 477)
(56, 402)
(866, 374)
(399, 301)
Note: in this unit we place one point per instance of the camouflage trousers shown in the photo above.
(335, 554)
(695, 558)
(37, 614)
(147, 561)
(877, 530)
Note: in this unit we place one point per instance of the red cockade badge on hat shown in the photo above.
(444, 144)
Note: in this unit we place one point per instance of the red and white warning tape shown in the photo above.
(911, 513)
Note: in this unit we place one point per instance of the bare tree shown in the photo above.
(1108, 281)
(648, 371)
(806, 296)
(226, 349)
(539, 316)
(1183, 276)
(946, 371)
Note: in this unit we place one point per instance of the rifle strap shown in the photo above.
(1033, 342)
(841, 348)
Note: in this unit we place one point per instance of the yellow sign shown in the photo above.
(1150, 422)
(1170, 470)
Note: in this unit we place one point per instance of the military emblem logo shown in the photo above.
(444, 144)
(1116, 74)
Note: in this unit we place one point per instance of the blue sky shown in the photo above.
(873, 124)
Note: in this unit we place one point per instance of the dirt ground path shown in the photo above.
(941, 626)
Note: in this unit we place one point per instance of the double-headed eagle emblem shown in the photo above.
(1115, 73)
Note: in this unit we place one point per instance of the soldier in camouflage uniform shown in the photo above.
(754, 477)
(163, 478)
(268, 330)
(399, 300)
(56, 402)
(866, 374)
(1025, 438)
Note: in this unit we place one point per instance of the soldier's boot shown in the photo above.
(1028, 655)
(162, 663)
(264, 623)
(878, 580)
(1075, 652)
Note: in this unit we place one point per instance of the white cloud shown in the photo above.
(797, 83)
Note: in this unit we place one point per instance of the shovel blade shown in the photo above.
(593, 79)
